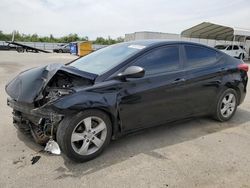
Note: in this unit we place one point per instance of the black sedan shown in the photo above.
(123, 88)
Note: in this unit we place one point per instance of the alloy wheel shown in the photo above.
(228, 105)
(89, 135)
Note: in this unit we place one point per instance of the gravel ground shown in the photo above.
(197, 153)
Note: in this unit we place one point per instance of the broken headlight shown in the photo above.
(56, 93)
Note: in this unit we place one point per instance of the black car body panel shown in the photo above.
(134, 103)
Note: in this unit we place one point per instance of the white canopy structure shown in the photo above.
(213, 31)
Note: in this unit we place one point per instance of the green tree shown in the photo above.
(64, 39)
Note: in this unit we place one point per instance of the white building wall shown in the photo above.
(150, 35)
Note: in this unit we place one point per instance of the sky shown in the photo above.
(114, 18)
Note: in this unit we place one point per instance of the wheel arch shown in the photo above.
(67, 126)
(88, 100)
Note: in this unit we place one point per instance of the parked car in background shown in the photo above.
(123, 88)
(62, 49)
(236, 51)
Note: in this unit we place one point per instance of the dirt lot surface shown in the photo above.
(197, 153)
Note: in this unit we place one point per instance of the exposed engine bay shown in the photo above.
(62, 84)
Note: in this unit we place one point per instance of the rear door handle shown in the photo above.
(178, 80)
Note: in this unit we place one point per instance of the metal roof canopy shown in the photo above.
(213, 31)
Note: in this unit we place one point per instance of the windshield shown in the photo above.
(220, 47)
(106, 58)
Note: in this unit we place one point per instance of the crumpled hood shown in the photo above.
(28, 85)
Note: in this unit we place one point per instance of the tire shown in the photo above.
(223, 103)
(74, 136)
(241, 56)
(60, 51)
(20, 50)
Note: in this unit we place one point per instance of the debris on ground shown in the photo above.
(35, 159)
(52, 147)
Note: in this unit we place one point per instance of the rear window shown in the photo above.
(199, 56)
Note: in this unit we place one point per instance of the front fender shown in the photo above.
(89, 100)
(83, 100)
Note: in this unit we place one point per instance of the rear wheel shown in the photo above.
(84, 136)
(226, 105)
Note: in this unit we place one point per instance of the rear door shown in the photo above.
(203, 68)
(157, 97)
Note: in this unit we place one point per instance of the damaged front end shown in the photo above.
(37, 121)
(33, 92)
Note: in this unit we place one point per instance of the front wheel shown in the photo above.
(226, 105)
(85, 135)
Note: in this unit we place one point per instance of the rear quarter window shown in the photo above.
(197, 56)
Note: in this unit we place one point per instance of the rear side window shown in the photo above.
(199, 56)
(160, 60)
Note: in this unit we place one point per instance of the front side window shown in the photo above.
(199, 56)
(160, 60)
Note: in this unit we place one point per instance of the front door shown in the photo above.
(157, 97)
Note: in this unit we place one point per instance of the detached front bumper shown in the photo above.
(41, 122)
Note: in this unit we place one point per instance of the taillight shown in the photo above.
(243, 67)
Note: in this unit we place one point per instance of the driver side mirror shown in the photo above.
(132, 72)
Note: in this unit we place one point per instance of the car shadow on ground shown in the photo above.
(149, 140)
(145, 142)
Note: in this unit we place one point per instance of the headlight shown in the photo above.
(62, 92)
(56, 93)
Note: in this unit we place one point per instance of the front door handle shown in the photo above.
(178, 80)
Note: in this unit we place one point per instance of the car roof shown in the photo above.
(156, 42)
